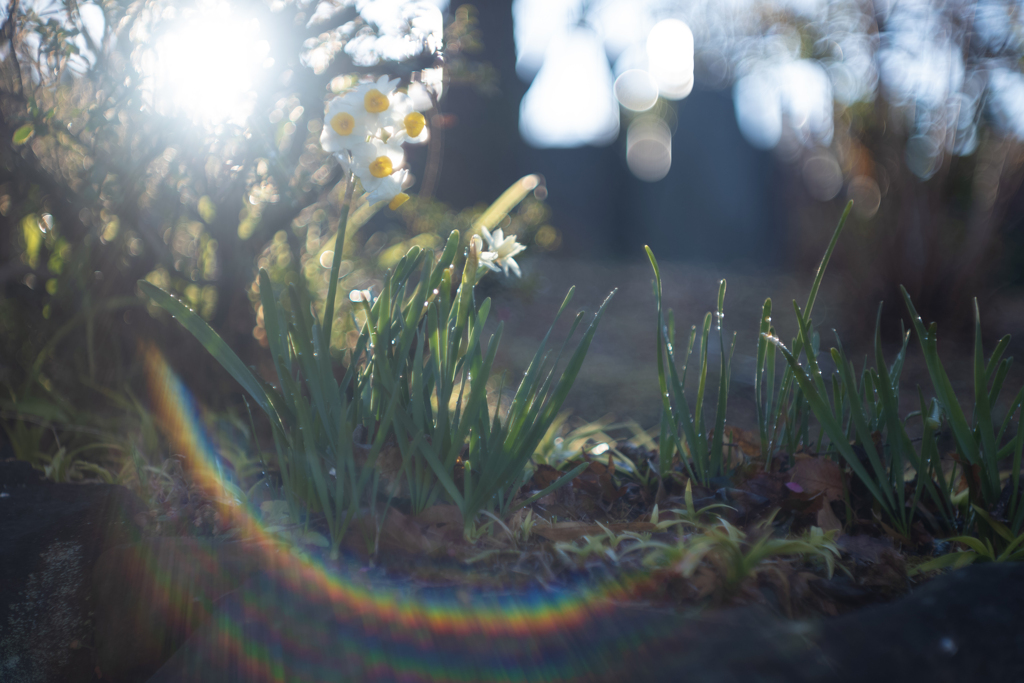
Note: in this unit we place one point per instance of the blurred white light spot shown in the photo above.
(327, 258)
(649, 148)
(758, 111)
(536, 25)
(570, 103)
(670, 51)
(93, 20)
(797, 92)
(206, 71)
(822, 176)
(620, 23)
(1008, 100)
(919, 61)
(866, 196)
(404, 29)
(635, 89)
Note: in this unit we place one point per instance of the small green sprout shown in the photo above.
(736, 556)
(605, 546)
(981, 550)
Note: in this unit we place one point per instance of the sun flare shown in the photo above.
(208, 65)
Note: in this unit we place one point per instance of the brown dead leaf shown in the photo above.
(827, 519)
(570, 531)
(435, 531)
(598, 480)
(748, 443)
(440, 514)
(543, 477)
(818, 475)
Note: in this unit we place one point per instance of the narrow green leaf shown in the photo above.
(213, 343)
(833, 428)
(763, 409)
(944, 392)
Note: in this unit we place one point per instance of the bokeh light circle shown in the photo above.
(822, 176)
(649, 148)
(636, 89)
(670, 52)
(866, 196)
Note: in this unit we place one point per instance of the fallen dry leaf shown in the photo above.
(440, 514)
(597, 480)
(747, 442)
(435, 531)
(818, 475)
(827, 519)
(543, 477)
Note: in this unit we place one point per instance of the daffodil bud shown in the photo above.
(476, 247)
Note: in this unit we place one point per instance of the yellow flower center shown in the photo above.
(343, 123)
(381, 167)
(400, 198)
(414, 123)
(375, 101)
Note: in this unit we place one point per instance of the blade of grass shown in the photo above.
(213, 343)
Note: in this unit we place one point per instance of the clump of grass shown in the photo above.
(684, 431)
(855, 417)
(410, 411)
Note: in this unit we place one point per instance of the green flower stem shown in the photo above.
(339, 246)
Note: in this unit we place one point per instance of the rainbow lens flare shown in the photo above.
(299, 619)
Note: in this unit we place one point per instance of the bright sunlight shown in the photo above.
(202, 71)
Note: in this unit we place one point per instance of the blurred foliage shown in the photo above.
(105, 180)
(913, 109)
(926, 138)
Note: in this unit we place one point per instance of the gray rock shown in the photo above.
(50, 537)
(151, 595)
(967, 626)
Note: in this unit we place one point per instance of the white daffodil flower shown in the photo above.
(376, 97)
(407, 124)
(375, 161)
(504, 249)
(346, 124)
(364, 154)
(365, 129)
(389, 189)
